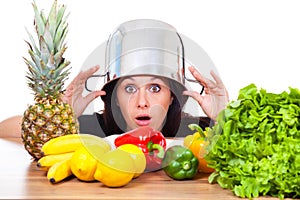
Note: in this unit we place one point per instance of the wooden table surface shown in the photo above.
(20, 178)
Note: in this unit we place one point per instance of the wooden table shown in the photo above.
(20, 178)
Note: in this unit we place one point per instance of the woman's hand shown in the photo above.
(73, 93)
(216, 96)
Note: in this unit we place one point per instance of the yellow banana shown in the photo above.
(59, 171)
(47, 161)
(69, 143)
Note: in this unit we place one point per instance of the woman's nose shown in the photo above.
(142, 100)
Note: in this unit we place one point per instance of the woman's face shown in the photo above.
(144, 101)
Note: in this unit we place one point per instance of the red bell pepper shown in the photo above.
(150, 141)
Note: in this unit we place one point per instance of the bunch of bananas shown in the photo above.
(61, 155)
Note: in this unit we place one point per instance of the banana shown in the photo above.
(69, 143)
(59, 171)
(47, 161)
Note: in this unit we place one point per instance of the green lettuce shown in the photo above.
(255, 144)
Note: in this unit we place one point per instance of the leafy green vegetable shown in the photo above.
(255, 147)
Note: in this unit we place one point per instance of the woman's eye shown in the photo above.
(130, 89)
(154, 88)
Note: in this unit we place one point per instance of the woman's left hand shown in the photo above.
(216, 96)
(73, 93)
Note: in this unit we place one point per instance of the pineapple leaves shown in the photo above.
(36, 59)
(51, 32)
(59, 55)
(39, 21)
(61, 34)
(47, 67)
(32, 42)
(52, 20)
(45, 53)
(60, 14)
(48, 38)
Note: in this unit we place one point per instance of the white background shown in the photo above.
(255, 41)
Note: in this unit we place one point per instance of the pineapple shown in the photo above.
(49, 116)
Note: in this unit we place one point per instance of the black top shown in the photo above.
(93, 124)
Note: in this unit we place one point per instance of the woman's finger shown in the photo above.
(216, 78)
(195, 95)
(89, 72)
(83, 75)
(78, 90)
(93, 95)
(82, 104)
(198, 76)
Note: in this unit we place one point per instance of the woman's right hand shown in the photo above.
(216, 96)
(73, 93)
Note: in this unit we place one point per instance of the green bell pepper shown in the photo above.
(180, 163)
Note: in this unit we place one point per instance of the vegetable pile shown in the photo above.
(255, 147)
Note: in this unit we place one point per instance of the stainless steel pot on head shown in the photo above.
(145, 47)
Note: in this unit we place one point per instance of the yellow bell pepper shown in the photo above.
(197, 143)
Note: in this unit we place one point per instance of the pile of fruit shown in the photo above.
(91, 158)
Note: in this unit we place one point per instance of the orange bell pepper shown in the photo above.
(197, 143)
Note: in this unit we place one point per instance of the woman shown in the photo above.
(145, 84)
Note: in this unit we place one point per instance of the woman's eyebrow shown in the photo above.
(152, 79)
(157, 78)
(160, 80)
(128, 79)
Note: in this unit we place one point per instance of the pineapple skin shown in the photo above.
(44, 120)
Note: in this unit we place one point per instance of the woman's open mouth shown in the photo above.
(143, 120)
